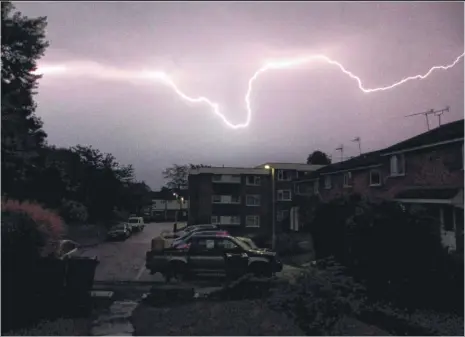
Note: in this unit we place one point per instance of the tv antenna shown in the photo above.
(437, 113)
(341, 148)
(359, 141)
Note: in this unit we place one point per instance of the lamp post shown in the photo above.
(273, 206)
(180, 201)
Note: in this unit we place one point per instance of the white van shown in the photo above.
(136, 223)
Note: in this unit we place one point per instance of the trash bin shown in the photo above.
(80, 274)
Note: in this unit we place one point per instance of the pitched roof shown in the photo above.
(446, 132)
(443, 133)
(364, 160)
(292, 166)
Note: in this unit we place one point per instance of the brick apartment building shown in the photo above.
(425, 171)
(240, 199)
(237, 199)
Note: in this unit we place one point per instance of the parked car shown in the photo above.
(251, 243)
(66, 249)
(192, 228)
(119, 231)
(212, 254)
(186, 238)
(136, 224)
(170, 237)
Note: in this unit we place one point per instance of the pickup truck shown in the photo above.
(212, 254)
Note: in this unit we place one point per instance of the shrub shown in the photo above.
(73, 211)
(23, 223)
(287, 244)
(398, 255)
(319, 298)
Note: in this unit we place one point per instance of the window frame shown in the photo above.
(400, 163)
(371, 180)
(280, 175)
(281, 214)
(281, 192)
(349, 179)
(218, 219)
(255, 179)
(256, 197)
(328, 186)
(235, 222)
(256, 221)
(316, 187)
(216, 201)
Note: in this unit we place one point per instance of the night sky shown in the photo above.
(212, 49)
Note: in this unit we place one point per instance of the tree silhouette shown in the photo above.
(23, 43)
(318, 158)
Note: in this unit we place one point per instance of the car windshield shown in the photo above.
(249, 242)
(119, 226)
(134, 220)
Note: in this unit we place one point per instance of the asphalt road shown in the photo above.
(125, 260)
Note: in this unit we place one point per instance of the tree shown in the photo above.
(23, 43)
(177, 175)
(318, 158)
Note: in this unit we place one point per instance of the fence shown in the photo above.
(45, 289)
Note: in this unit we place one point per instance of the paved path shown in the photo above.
(125, 260)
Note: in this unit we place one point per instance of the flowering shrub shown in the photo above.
(28, 224)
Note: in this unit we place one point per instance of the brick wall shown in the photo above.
(433, 167)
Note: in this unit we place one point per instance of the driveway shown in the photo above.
(125, 260)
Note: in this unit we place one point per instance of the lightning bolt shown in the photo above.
(271, 65)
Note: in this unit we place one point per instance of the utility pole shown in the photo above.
(341, 148)
(437, 113)
(357, 139)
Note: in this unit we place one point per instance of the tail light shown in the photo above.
(184, 246)
(222, 233)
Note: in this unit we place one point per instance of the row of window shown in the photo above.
(397, 168)
(250, 220)
(236, 178)
(250, 200)
(251, 180)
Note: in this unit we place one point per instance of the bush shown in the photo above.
(73, 211)
(28, 233)
(398, 255)
(24, 223)
(319, 298)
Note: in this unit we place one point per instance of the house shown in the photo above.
(423, 171)
(284, 175)
(237, 199)
(166, 207)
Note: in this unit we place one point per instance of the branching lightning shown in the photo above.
(272, 65)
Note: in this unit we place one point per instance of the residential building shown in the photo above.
(425, 170)
(284, 175)
(166, 207)
(237, 199)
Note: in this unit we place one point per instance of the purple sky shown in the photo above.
(212, 49)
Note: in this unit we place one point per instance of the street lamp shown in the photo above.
(273, 206)
(180, 201)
